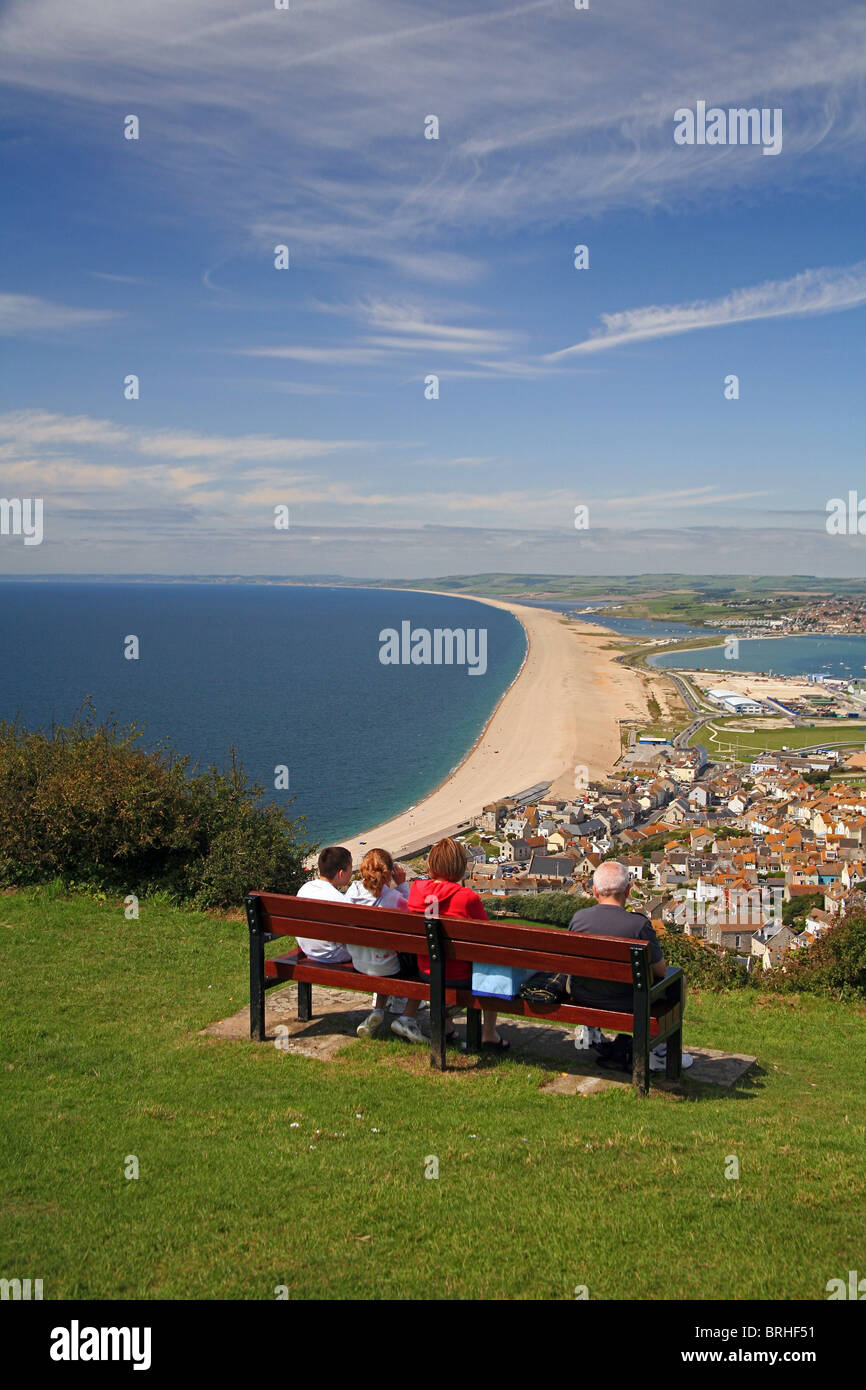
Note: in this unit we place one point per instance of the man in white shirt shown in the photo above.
(335, 874)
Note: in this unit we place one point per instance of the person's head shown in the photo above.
(610, 882)
(335, 864)
(447, 860)
(376, 868)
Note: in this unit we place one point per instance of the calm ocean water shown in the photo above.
(784, 656)
(286, 675)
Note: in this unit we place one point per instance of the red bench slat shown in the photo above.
(318, 910)
(555, 940)
(295, 966)
(565, 1013)
(586, 966)
(352, 935)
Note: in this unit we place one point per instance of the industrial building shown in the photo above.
(733, 703)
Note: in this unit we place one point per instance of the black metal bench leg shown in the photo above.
(305, 1001)
(640, 1069)
(473, 1030)
(436, 956)
(674, 1057)
(641, 1011)
(257, 969)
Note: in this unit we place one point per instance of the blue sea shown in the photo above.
(785, 656)
(287, 675)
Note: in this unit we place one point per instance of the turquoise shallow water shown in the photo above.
(287, 675)
(785, 656)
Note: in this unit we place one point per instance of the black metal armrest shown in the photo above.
(673, 972)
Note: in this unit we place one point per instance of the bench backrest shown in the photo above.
(496, 943)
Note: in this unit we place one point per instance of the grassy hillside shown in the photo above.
(679, 589)
(258, 1168)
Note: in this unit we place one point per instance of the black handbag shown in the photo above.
(543, 989)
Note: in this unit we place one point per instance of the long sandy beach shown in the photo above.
(560, 713)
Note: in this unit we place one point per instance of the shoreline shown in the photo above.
(443, 782)
(559, 712)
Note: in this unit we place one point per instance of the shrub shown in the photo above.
(554, 909)
(705, 967)
(83, 803)
(798, 908)
(834, 965)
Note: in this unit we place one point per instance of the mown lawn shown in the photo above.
(839, 734)
(260, 1169)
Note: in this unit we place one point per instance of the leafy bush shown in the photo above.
(705, 967)
(834, 965)
(653, 843)
(83, 803)
(554, 909)
(797, 909)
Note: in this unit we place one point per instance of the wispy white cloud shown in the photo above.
(118, 279)
(694, 497)
(29, 428)
(319, 356)
(26, 313)
(388, 330)
(246, 448)
(72, 458)
(542, 109)
(824, 291)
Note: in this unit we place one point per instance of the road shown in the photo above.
(682, 738)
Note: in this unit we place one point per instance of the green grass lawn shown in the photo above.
(259, 1168)
(821, 734)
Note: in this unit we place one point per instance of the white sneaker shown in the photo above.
(407, 1028)
(586, 1037)
(371, 1024)
(658, 1058)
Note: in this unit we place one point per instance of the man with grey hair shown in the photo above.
(610, 885)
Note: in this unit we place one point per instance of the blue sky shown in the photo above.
(409, 256)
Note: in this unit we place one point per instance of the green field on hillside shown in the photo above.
(259, 1168)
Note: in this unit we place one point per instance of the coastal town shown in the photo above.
(729, 854)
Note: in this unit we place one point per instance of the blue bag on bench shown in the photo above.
(498, 981)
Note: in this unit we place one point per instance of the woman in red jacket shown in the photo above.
(446, 864)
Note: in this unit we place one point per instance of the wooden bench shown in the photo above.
(658, 1005)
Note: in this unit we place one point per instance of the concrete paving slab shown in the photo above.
(337, 1013)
